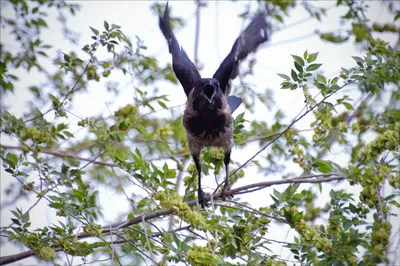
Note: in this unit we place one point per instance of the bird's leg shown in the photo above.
(227, 186)
(200, 192)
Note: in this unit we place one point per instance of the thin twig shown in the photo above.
(292, 40)
(261, 185)
(134, 246)
(75, 87)
(147, 240)
(257, 211)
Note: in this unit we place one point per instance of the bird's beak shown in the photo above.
(211, 98)
(207, 90)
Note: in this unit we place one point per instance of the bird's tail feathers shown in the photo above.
(234, 102)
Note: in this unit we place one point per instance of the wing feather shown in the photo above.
(255, 34)
(184, 69)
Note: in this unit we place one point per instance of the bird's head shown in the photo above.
(207, 95)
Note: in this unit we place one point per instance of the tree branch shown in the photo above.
(158, 213)
(61, 155)
(199, 4)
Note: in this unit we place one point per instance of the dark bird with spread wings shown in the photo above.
(207, 118)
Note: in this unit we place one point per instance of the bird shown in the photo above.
(207, 118)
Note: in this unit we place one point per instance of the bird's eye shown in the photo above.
(208, 90)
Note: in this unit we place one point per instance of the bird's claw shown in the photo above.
(224, 192)
(201, 197)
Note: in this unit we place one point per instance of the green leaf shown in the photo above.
(305, 55)
(395, 203)
(41, 22)
(334, 80)
(278, 17)
(292, 189)
(43, 54)
(113, 26)
(298, 67)
(233, 243)
(333, 194)
(298, 60)
(286, 85)
(140, 128)
(96, 32)
(297, 217)
(68, 134)
(277, 194)
(15, 221)
(56, 101)
(77, 61)
(324, 166)
(356, 77)
(67, 58)
(56, 205)
(397, 16)
(321, 78)
(307, 75)
(25, 217)
(294, 75)
(12, 157)
(348, 106)
(347, 224)
(286, 77)
(358, 59)
(10, 165)
(313, 67)
(162, 104)
(312, 57)
(106, 26)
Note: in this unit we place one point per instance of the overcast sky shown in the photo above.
(219, 28)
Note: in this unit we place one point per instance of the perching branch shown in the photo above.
(61, 155)
(156, 214)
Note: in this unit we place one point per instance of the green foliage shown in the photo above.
(202, 256)
(65, 161)
(174, 201)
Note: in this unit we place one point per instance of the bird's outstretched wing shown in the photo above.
(184, 69)
(248, 41)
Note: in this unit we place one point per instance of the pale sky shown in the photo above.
(219, 28)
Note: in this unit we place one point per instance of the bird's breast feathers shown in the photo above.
(210, 130)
